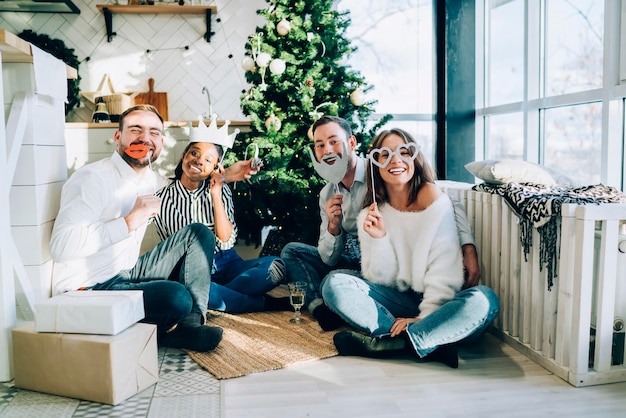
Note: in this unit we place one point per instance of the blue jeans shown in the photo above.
(239, 285)
(174, 276)
(303, 263)
(373, 308)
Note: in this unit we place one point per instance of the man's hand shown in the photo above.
(239, 171)
(471, 266)
(334, 213)
(145, 207)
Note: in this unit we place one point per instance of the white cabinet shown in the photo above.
(32, 172)
(86, 145)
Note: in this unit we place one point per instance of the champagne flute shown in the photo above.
(297, 292)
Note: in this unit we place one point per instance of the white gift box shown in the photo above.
(105, 312)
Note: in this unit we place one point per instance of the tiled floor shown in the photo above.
(183, 390)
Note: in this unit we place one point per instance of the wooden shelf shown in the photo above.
(109, 9)
(156, 9)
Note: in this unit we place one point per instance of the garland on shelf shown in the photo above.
(57, 48)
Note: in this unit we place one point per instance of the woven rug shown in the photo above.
(262, 341)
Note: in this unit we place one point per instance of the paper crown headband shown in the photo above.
(213, 134)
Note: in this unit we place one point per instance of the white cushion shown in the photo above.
(516, 171)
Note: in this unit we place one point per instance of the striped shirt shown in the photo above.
(180, 207)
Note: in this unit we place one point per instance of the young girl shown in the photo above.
(197, 194)
(406, 298)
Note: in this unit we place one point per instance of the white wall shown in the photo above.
(181, 75)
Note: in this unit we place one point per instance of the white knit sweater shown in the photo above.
(420, 251)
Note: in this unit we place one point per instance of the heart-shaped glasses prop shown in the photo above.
(381, 157)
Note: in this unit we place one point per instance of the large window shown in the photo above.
(394, 40)
(573, 45)
(506, 136)
(572, 140)
(546, 91)
(506, 41)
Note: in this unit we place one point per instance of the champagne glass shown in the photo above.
(297, 291)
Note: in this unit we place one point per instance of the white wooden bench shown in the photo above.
(575, 330)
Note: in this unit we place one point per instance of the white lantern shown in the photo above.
(247, 64)
(277, 66)
(357, 97)
(263, 59)
(283, 27)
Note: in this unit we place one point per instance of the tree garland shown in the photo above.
(57, 48)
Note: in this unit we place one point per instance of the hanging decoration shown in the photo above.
(283, 27)
(262, 59)
(310, 36)
(273, 122)
(357, 97)
(277, 66)
(317, 113)
(247, 64)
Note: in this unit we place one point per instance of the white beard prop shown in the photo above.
(332, 173)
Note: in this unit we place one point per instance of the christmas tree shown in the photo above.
(298, 69)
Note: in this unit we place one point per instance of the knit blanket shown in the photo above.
(539, 206)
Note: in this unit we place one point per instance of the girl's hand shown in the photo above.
(217, 180)
(373, 223)
(401, 325)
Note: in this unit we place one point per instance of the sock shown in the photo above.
(327, 319)
(277, 304)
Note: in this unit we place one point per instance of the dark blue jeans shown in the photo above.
(303, 263)
(239, 285)
(373, 308)
(175, 276)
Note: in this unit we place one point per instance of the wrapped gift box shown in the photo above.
(105, 312)
(99, 368)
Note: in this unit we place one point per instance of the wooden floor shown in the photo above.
(493, 380)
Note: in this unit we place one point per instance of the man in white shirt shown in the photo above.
(96, 239)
